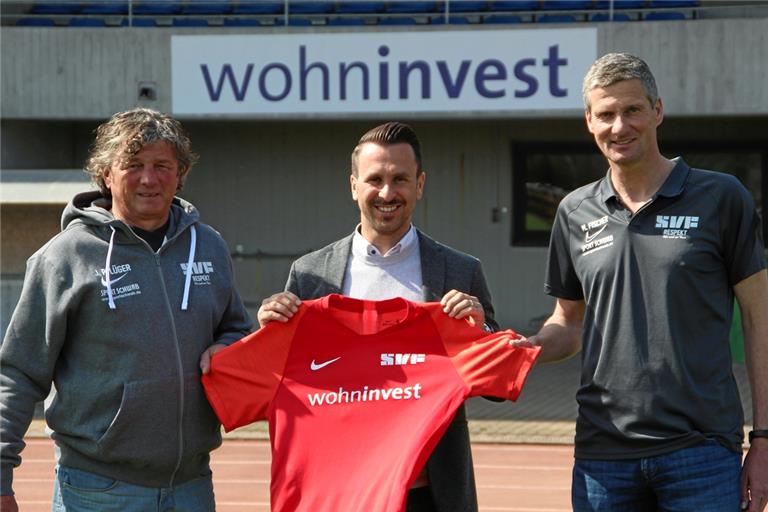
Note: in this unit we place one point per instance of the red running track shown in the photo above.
(510, 477)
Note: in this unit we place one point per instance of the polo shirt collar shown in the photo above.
(676, 179)
(361, 246)
(673, 186)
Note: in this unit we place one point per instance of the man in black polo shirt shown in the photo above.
(645, 264)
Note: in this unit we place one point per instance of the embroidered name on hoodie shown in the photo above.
(119, 289)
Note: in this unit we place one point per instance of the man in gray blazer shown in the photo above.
(387, 257)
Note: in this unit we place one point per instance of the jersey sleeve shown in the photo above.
(245, 376)
(488, 363)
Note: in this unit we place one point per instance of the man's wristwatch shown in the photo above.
(757, 433)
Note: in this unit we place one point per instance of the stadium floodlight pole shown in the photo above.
(610, 10)
(286, 3)
(130, 13)
(447, 11)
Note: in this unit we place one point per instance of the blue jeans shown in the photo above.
(702, 478)
(75, 490)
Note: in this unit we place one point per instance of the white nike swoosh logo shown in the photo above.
(316, 366)
(111, 281)
(588, 238)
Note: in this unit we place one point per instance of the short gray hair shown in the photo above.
(618, 67)
(126, 133)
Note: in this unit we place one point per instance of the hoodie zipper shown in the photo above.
(179, 362)
(180, 372)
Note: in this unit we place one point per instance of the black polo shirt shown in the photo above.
(658, 285)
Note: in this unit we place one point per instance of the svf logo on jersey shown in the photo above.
(676, 226)
(402, 359)
(201, 272)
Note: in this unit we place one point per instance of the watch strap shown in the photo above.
(757, 433)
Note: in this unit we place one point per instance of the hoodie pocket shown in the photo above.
(145, 429)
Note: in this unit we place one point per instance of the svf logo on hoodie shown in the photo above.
(201, 272)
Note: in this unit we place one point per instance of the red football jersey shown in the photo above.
(357, 394)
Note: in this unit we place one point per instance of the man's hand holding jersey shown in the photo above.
(459, 305)
(279, 307)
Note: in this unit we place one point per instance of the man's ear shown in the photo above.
(106, 175)
(659, 109)
(588, 120)
(353, 186)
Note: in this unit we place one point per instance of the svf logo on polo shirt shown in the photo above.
(676, 226)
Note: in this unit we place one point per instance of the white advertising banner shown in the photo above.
(381, 72)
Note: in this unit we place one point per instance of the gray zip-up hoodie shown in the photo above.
(119, 329)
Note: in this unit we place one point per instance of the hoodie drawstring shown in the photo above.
(187, 271)
(188, 280)
(107, 266)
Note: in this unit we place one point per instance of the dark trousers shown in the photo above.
(420, 500)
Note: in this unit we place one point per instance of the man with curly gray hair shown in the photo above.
(122, 311)
(127, 133)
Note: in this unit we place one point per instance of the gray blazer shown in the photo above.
(321, 272)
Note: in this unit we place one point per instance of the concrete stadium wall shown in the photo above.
(703, 66)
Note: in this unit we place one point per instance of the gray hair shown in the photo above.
(618, 67)
(126, 133)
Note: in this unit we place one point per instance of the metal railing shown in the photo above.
(257, 13)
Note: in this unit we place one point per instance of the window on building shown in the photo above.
(545, 173)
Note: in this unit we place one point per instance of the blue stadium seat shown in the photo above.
(454, 20)
(87, 22)
(346, 22)
(139, 22)
(604, 16)
(241, 22)
(310, 7)
(359, 7)
(258, 7)
(664, 16)
(190, 22)
(556, 18)
(208, 7)
(106, 7)
(501, 19)
(514, 5)
(297, 22)
(654, 4)
(464, 6)
(37, 21)
(559, 5)
(157, 7)
(56, 7)
(406, 6)
(620, 4)
(398, 21)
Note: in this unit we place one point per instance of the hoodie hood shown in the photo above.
(94, 209)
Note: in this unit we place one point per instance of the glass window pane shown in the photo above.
(544, 174)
